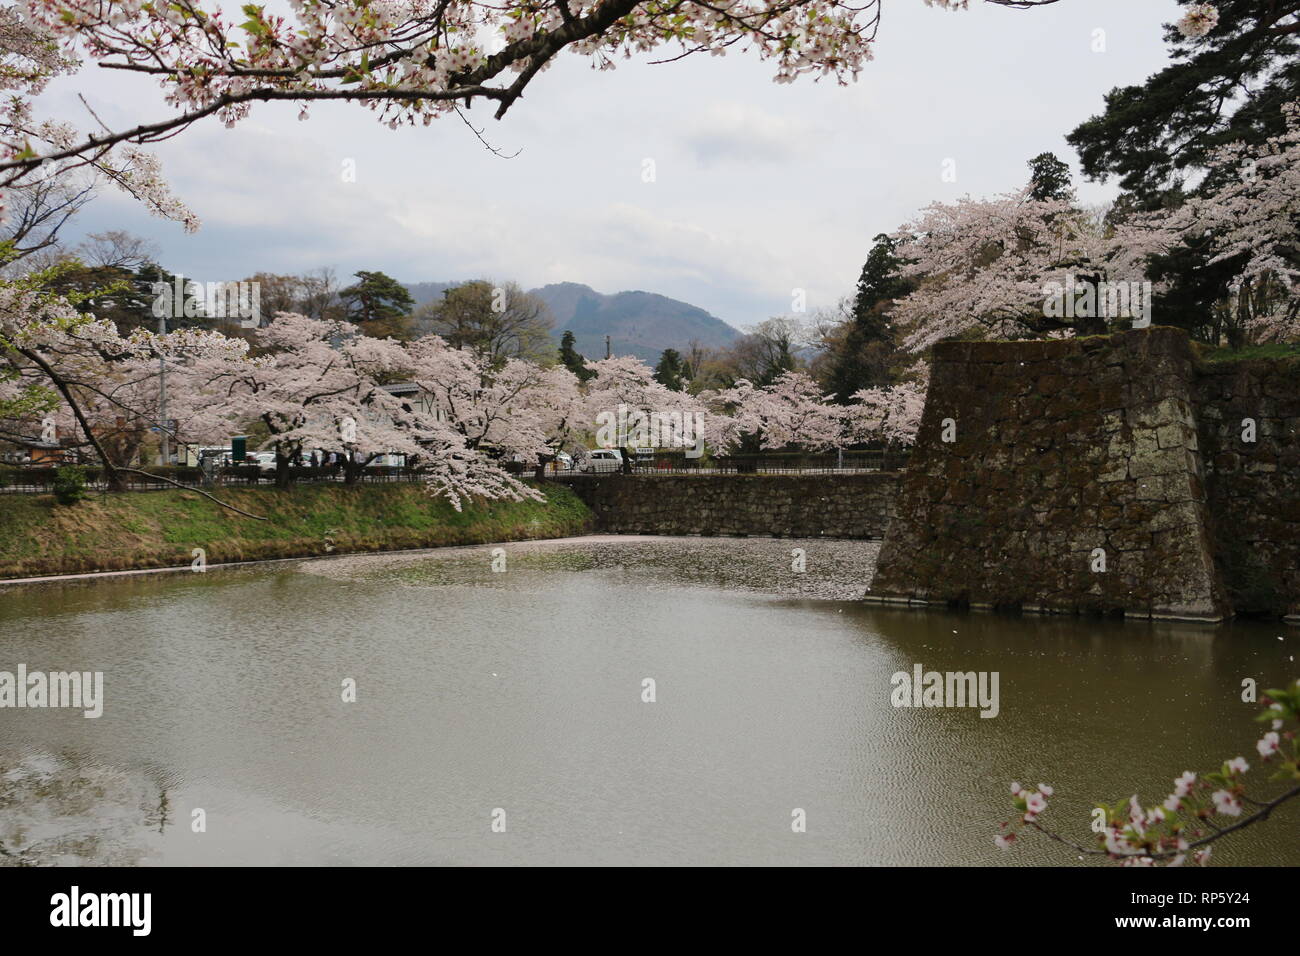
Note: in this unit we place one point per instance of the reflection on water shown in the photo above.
(56, 811)
(522, 691)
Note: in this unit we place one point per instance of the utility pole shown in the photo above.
(165, 445)
(607, 346)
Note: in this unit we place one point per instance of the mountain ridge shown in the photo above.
(638, 323)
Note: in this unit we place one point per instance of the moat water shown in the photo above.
(518, 697)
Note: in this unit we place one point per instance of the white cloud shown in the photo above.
(742, 132)
(760, 187)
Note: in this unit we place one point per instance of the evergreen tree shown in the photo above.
(571, 359)
(379, 304)
(127, 297)
(1229, 85)
(1049, 178)
(865, 352)
(671, 372)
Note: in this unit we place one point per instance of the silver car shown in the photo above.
(601, 461)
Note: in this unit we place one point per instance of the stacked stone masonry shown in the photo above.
(1114, 474)
(1099, 475)
(1253, 486)
(791, 506)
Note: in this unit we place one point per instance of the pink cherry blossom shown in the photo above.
(1199, 20)
(1226, 802)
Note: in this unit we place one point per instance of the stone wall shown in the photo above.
(1106, 474)
(1072, 482)
(794, 506)
(1254, 486)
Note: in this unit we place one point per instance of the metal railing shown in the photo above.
(776, 463)
(41, 480)
(29, 480)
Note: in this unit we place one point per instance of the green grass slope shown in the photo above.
(155, 529)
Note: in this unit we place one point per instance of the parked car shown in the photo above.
(601, 461)
(265, 460)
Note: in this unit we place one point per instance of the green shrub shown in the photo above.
(70, 484)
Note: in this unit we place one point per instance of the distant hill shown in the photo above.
(638, 323)
(423, 292)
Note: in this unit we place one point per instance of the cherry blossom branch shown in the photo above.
(112, 469)
(1134, 836)
(195, 53)
(200, 491)
(1266, 808)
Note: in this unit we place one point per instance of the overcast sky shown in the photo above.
(759, 188)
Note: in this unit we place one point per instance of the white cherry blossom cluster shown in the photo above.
(792, 411)
(626, 381)
(389, 53)
(113, 378)
(310, 375)
(516, 407)
(891, 414)
(1199, 20)
(983, 264)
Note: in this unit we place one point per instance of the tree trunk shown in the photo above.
(282, 476)
(1237, 329)
(354, 468)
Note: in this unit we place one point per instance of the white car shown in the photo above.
(602, 461)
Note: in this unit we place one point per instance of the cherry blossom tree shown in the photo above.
(1201, 809)
(985, 266)
(625, 405)
(792, 412)
(317, 386)
(67, 375)
(988, 265)
(320, 385)
(514, 409)
(1248, 215)
(889, 414)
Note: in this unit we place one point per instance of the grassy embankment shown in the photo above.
(1287, 350)
(156, 529)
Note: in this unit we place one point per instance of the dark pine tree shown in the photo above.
(1049, 178)
(379, 304)
(671, 372)
(866, 352)
(572, 359)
